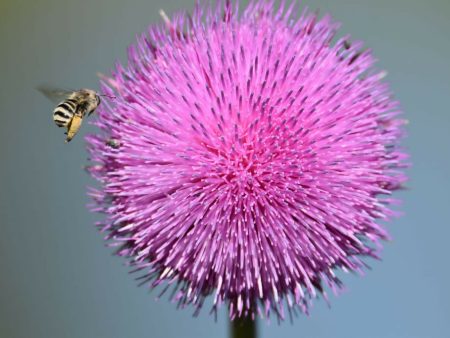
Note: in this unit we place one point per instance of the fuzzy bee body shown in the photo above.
(64, 112)
(70, 112)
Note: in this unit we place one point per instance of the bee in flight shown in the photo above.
(72, 107)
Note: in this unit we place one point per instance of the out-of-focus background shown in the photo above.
(56, 277)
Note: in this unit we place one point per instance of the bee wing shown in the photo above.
(55, 95)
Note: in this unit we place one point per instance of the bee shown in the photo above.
(72, 107)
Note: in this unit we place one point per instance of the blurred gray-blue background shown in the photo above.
(56, 277)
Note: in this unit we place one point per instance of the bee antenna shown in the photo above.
(110, 96)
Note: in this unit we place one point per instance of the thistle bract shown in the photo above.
(246, 157)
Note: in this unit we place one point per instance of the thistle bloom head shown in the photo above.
(246, 157)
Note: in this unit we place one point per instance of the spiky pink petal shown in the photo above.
(246, 157)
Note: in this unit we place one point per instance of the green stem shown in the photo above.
(243, 328)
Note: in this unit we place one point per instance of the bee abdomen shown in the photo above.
(63, 113)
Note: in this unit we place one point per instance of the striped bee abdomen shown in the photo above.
(63, 113)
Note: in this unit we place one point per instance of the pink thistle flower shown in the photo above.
(247, 157)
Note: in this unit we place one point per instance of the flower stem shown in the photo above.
(243, 328)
